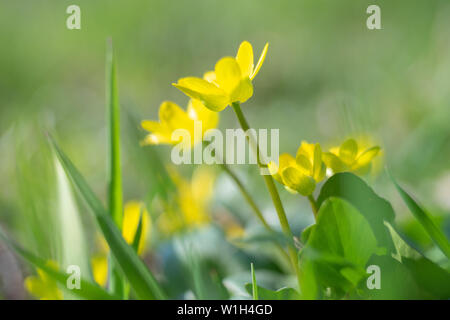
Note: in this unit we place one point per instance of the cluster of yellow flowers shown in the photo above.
(300, 174)
(231, 81)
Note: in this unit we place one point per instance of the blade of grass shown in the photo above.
(425, 220)
(139, 276)
(138, 234)
(87, 289)
(254, 285)
(113, 109)
(116, 283)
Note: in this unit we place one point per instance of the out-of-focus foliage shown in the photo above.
(326, 77)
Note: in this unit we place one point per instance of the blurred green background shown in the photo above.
(326, 77)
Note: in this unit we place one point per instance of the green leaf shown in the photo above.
(139, 276)
(403, 249)
(339, 245)
(409, 279)
(113, 108)
(374, 208)
(138, 234)
(425, 220)
(115, 195)
(254, 285)
(280, 294)
(87, 289)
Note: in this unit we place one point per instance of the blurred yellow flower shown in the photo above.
(42, 286)
(131, 217)
(350, 156)
(172, 117)
(302, 173)
(99, 264)
(231, 80)
(192, 202)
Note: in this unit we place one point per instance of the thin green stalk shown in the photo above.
(254, 285)
(247, 196)
(252, 204)
(115, 204)
(273, 194)
(313, 206)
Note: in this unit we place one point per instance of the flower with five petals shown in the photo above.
(231, 80)
(300, 174)
(172, 117)
(350, 156)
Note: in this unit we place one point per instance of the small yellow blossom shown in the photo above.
(231, 80)
(350, 156)
(130, 223)
(99, 264)
(43, 286)
(173, 117)
(131, 217)
(300, 174)
(192, 200)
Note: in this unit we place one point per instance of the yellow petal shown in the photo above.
(35, 286)
(297, 181)
(274, 171)
(213, 97)
(99, 265)
(244, 58)
(173, 117)
(210, 76)
(131, 217)
(305, 164)
(317, 161)
(197, 111)
(152, 139)
(365, 157)
(321, 174)
(348, 151)
(243, 91)
(160, 133)
(260, 61)
(228, 74)
(286, 160)
(306, 149)
(334, 162)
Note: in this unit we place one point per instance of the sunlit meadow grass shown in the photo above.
(354, 229)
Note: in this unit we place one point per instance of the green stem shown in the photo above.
(313, 206)
(246, 196)
(273, 194)
(252, 204)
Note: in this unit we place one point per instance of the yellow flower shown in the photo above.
(43, 286)
(231, 80)
(172, 117)
(192, 202)
(302, 173)
(350, 157)
(130, 223)
(99, 264)
(131, 216)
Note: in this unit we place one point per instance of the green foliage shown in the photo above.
(280, 294)
(374, 208)
(339, 245)
(425, 220)
(139, 276)
(87, 289)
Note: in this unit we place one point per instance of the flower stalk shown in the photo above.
(273, 194)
